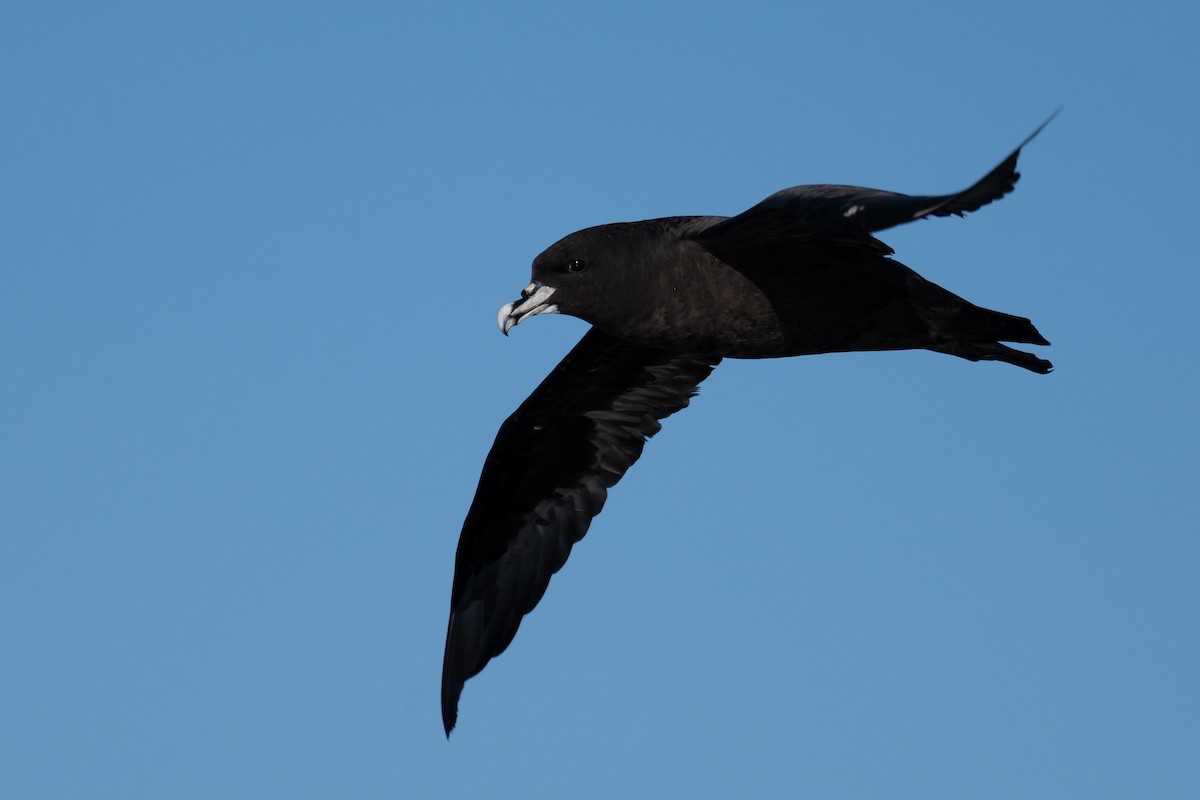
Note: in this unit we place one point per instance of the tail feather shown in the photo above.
(980, 331)
(983, 323)
(961, 328)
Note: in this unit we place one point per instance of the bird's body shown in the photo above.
(798, 274)
(775, 298)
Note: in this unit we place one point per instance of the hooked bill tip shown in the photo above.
(533, 301)
(504, 320)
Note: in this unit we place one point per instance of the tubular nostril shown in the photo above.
(529, 290)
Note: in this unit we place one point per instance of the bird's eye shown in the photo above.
(576, 265)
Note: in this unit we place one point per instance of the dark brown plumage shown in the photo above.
(799, 273)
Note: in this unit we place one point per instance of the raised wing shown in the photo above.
(546, 476)
(852, 213)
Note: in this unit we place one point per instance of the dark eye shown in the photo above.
(576, 265)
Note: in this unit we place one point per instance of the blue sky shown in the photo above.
(250, 259)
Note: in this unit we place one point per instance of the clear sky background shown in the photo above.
(250, 260)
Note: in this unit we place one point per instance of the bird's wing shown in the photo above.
(852, 213)
(545, 478)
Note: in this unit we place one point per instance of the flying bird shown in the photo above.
(798, 274)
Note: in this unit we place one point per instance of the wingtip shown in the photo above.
(450, 707)
(991, 187)
(1039, 128)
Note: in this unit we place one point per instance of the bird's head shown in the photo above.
(599, 275)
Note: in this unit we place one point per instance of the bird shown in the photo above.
(800, 273)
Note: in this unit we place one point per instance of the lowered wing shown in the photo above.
(546, 476)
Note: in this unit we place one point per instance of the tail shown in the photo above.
(960, 328)
(976, 335)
